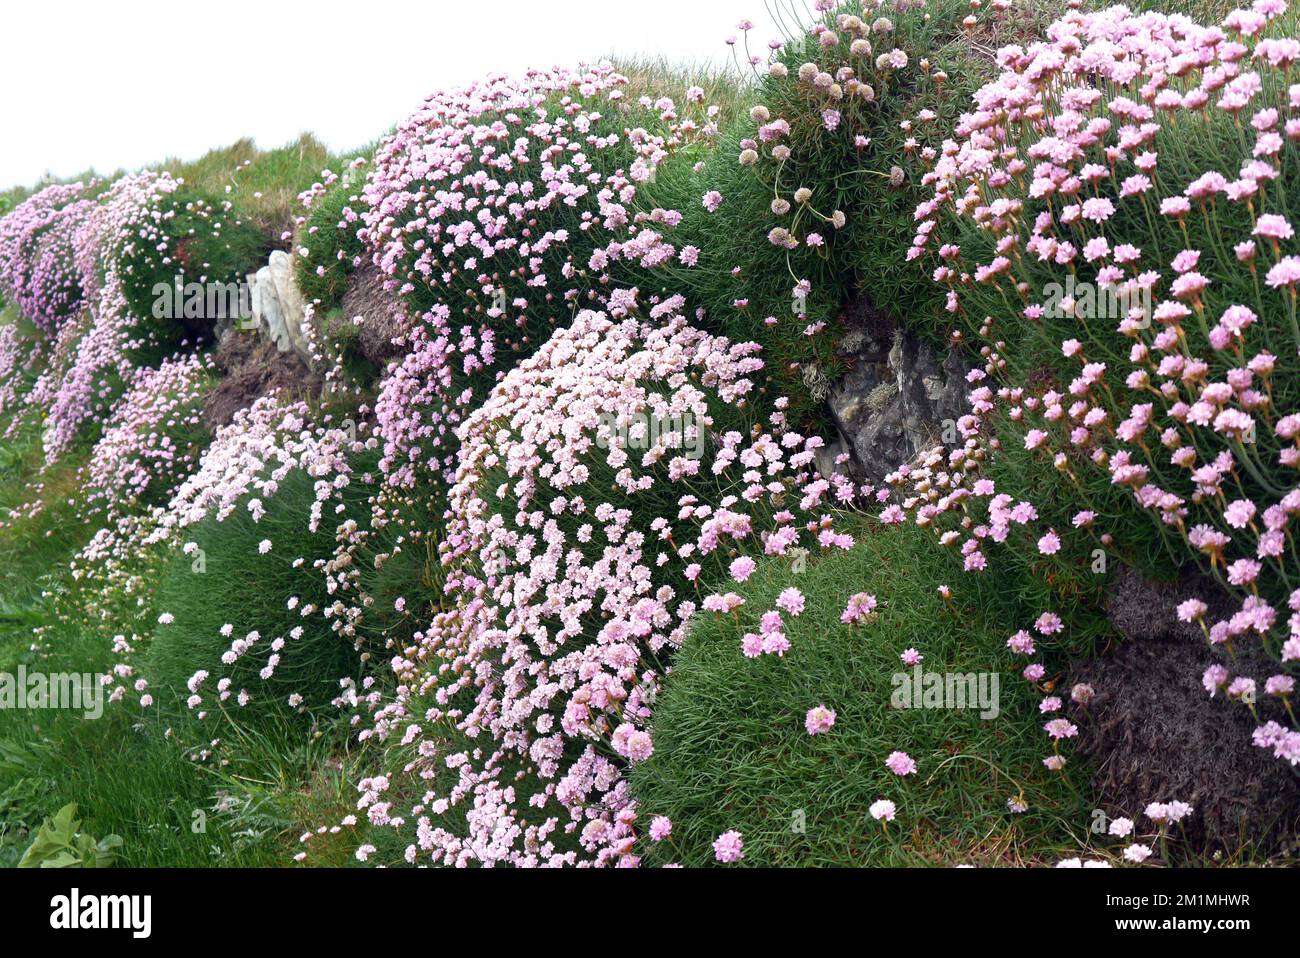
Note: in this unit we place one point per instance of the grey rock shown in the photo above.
(893, 401)
(268, 312)
(825, 458)
(228, 326)
(280, 270)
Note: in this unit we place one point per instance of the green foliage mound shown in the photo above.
(327, 247)
(233, 580)
(191, 237)
(732, 751)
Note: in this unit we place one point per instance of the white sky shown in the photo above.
(123, 84)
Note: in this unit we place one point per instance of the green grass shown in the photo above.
(265, 183)
(131, 771)
(126, 776)
(660, 76)
(133, 779)
(731, 751)
(199, 596)
(38, 516)
(330, 238)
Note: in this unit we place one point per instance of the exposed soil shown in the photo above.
(1153, 734)
(254, 368)
(382, 318)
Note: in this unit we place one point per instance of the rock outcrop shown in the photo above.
(267, 351)
(253, 366)
(384, 325)
(277, 308)
(896, 394)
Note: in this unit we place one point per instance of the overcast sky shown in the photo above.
(126, 83)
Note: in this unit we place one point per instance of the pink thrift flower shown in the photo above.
(1049, 623)
(900, 763)
(1120, 828)
(860, 605)
(743, 568)
(819, 719)
(775, 643)
(729, 847)
(792, 601)
(1061, 728)
(1137, 854)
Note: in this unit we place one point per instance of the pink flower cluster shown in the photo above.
(136, 458)
(1074, 164)
(38, 264)
(571, 553)
(1162, 815)
(493, 211)
(242, 469)
(58, 261)
(251, 457)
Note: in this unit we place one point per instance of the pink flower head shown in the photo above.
(1049, 623)
(1061, 728)
(860, 606)
(900, 763)
(1022, 642)
(1285, 273)
(743, 568)
(1273, 227)
(1214, 678)
(729, 847)
(819, 720)
(792, 601)
(775, 643)
(1137, 854)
